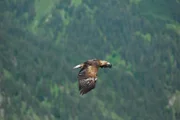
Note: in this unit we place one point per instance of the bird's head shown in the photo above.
(104, 64)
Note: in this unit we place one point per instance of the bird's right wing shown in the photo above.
(86, 82)
(86, 85)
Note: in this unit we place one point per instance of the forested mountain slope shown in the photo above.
(42, 40)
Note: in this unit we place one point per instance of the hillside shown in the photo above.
(42, 40)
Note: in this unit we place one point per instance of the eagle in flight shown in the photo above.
(87, 76)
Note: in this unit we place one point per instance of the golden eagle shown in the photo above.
(87, 76)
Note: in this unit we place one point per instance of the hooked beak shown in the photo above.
(109, 65)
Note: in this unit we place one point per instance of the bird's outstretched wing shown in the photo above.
(86, 85)
(87, 77)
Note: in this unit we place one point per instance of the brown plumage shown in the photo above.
(87, 76)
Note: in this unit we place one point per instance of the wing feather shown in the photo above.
(86, 85)
(87, 78)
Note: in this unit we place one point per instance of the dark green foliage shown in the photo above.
(41, 41)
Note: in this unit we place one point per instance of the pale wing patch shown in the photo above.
(78, 66)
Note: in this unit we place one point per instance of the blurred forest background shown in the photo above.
(42, 40)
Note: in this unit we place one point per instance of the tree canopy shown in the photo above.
(41, 41)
